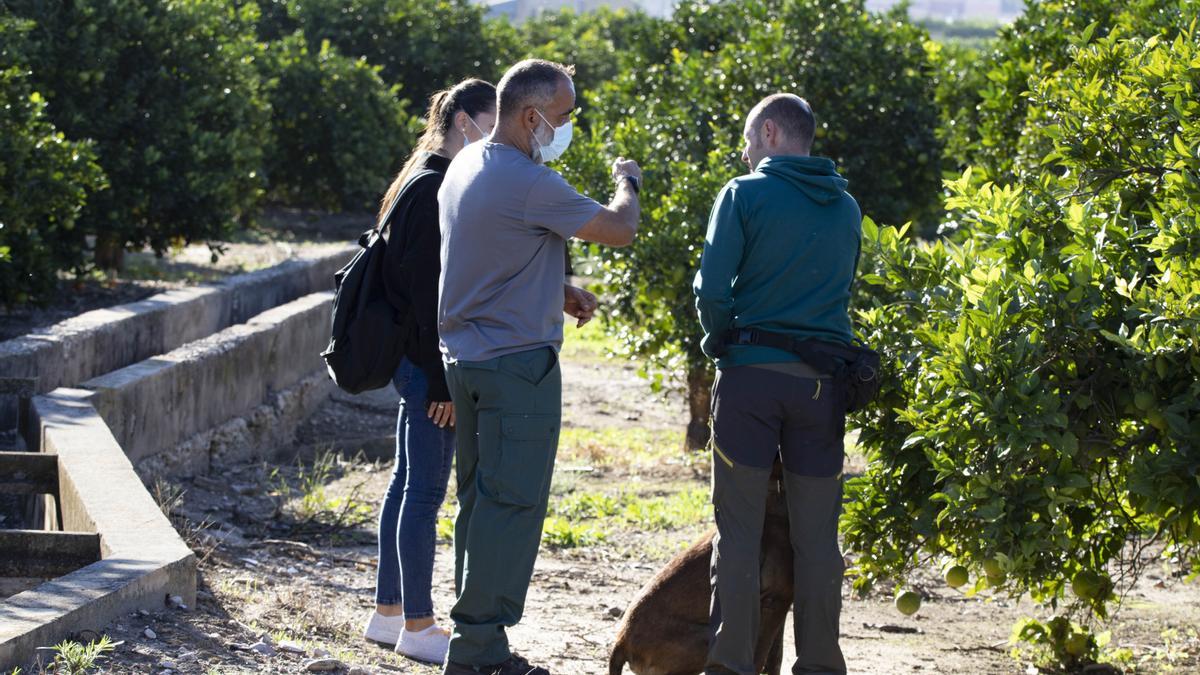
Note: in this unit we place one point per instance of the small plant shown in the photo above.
(588, 505)
(312, 507)
(562, 533)
(169, 496)
(445, 528)
(74, 658)
(687, 507)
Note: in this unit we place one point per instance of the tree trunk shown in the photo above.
(110, 252)
(699, 399)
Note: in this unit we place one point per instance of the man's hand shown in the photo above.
(579, 304)
(626, 167)
(442, 413)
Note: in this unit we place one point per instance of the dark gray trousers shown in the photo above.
(758, 415)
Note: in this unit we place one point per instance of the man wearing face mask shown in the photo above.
(775, 276)
(505, 218)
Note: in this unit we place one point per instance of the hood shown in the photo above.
(816, 177)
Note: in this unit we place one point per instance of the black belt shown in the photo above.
(825, 357)
(855, 366)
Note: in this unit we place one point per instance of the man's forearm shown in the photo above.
(625, 204)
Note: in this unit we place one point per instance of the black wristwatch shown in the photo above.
(635, 182)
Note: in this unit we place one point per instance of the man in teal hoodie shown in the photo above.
(778, 264)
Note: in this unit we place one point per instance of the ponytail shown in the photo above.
(471, 96)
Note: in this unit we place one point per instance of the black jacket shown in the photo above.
(411, 267)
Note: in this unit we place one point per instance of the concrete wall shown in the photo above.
(144, 560)
(104, 340)
(156, 404)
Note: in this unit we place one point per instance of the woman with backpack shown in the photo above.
(403, 615)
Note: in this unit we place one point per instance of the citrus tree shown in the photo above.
(991, 112)
(682, 117)
(421, 45)
(168, 93)
(45, 180)
(338, 132)
(1040, 426)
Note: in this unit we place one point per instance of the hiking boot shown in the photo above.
(515, 665)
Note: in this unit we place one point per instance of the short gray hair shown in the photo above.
(790, 113)
(530, 82)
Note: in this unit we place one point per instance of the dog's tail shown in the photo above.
(617, 659)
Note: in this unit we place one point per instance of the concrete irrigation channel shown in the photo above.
(96, 407)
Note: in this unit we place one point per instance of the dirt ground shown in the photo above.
(287, 556)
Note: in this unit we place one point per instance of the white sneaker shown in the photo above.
(429, 645)
(384, 629)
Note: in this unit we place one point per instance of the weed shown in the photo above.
(562, 533)
(75, 658)
(689, 506)
(169, 496)
(313, 508)
(584, 505)
(445, 528)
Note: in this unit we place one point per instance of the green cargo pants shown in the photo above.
(508, 409)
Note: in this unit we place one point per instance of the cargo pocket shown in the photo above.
(516, 455)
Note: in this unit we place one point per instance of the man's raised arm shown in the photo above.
(617, 223)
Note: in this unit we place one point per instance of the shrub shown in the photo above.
(337, 131)
(1043, 418)
(1043, 40)
(422, 45)
(169, 94)
(45, 180)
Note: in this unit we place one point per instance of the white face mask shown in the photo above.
(464, 133)
(558, 144)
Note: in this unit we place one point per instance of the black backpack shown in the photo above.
(368, 334)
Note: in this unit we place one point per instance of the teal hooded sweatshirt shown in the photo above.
(780, 255)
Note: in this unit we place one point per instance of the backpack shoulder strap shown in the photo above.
(412, 180)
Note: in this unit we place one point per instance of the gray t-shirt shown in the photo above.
(504, 221)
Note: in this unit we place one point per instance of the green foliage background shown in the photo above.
(44, 181)
(169, 96)
(1042, 410)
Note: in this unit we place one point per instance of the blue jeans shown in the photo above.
(408, 520)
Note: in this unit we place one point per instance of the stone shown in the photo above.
(150, 634)
(615, 612)
(176, 601)
(263, 648)
(358, 670)
(292, 647)
(324, 665)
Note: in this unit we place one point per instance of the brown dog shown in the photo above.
(666, 629)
